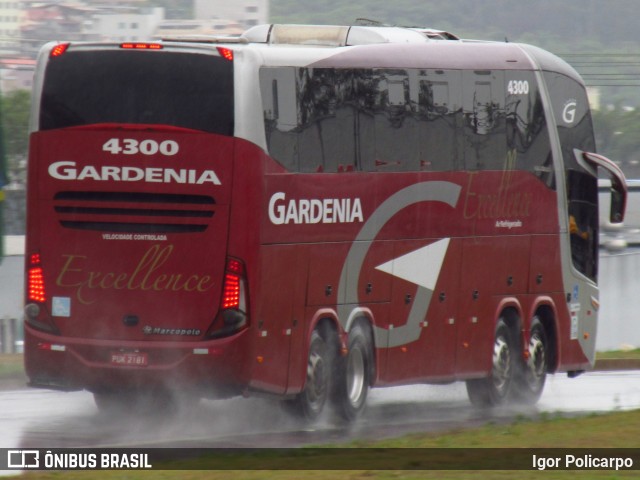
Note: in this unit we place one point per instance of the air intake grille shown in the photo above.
(134, 212)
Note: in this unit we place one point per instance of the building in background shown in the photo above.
(25, 25)
(194, 28)
(116, 20)
(126, 25)
(46, 21)
(10, 19)
(16, 73)
(245, 12)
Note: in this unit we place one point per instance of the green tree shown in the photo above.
(15, 122)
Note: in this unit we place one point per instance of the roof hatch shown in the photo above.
(336, 36)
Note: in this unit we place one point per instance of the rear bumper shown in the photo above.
(214, 368)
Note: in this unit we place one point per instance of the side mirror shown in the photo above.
(618, 184)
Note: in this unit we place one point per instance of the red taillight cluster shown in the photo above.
(141, 46)
(59, 49)
(233, 294)
(35, 284)
(226, 53)
(232, 314)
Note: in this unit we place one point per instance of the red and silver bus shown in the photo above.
(308, 212)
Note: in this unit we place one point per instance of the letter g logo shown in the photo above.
(569, 111)
(276, 208)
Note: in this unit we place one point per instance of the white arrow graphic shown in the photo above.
(421, 267)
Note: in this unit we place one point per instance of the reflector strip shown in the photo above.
(52, 347)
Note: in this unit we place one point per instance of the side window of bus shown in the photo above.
(395, 122)
(527, 129)
(582, 190)
(310, 118)
(278, 90)
(575, 131)
(326, 120)
(483, 104)
(333, 120)
(439, 112)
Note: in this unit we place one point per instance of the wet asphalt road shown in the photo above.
(48, 419)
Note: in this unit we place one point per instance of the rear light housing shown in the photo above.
(226, 53)
(59, 49)
(35, 312)
(232, 316)
(35, 280)
(141, 46)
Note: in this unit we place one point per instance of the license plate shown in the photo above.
(134, 359)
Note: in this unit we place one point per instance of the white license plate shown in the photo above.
(134, 359)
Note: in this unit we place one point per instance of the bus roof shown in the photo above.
(330, 46)
(371, 46)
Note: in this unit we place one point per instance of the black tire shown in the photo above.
(310, 403)
(496, 388)
(353, 375)
(532, 373)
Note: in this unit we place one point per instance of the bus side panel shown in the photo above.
(437, 361)
(276, 325)
(325, 265)
(423, 341)
(571, 330)
(545, 272)
(491, 266)
(373, 285)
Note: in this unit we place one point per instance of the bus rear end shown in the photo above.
(128, 280)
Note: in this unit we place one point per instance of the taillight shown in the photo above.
(35, 284)
(232, 315)
(233, 290)
(226, 53)
(59, 49)
(35, 311)
(141, 46)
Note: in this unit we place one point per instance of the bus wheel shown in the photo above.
(494, 389)
(532, 373)
(353, 375)
(309, 403)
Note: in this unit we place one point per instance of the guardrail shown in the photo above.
(10, 335)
